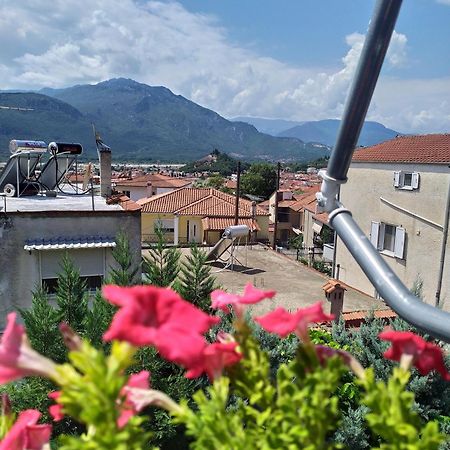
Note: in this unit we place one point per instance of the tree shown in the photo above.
(260, 180)
(195, 282)
(125, 271)
(161, 267)
(71, 296)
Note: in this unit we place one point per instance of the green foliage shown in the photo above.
(41, 322)
(323, 267)
(260, 180)
(125, 271)
(162, 265)
(392, 417)
(91, 394)
(195, 282)
(220, 162)
(296, 241)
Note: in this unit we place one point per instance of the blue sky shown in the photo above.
(289, 59)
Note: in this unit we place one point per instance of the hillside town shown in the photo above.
(274, 275)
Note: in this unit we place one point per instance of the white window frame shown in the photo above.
(377, 238)
(166, 225)
(400, 178)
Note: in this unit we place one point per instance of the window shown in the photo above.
(90, 263)
(165, 225)
(92, 283)
(406, 180)
(389, 239)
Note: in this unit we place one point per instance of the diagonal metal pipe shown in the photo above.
(392, 290)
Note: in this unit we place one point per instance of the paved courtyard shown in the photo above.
(296, 284)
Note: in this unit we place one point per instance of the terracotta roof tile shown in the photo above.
(362, 315)
(198, 202)
(427, 149)
(220, 223)
(125, 202)
(156, 180)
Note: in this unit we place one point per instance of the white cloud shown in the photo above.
(68, 42)
(444, 2)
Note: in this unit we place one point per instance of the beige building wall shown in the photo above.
(371, 196)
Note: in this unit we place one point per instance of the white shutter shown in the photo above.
(415, 180)
(381, 236)
(399, 242)
(374, 231)
(396, 179)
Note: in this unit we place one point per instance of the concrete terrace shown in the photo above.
(296, 285)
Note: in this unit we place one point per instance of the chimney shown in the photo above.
(104, 155)
(334, 292)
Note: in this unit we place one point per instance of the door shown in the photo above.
(194, 231)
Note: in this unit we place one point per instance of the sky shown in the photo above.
(284, 59)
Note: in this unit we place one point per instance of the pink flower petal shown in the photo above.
(25, 434)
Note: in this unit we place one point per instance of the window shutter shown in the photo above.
(374, 231)
(415, 180)
(399, 242)
(396, 179)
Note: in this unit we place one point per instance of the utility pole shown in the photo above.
(275, 224)
(238, 193)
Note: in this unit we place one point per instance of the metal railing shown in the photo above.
(425, 317)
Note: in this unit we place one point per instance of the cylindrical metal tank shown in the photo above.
(235, 231)
(22, 145)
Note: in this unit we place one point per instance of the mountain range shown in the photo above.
(323, 131)
(140, 123)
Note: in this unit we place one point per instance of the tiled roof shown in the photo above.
(361, 315)
(156, 180)
(427, 149)
(332, 284)
(198, 202)
(220, 223)
(125, 202)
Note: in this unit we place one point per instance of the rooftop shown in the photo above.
(198, 202)
(156, 180)
(426, 149)
(62, 202)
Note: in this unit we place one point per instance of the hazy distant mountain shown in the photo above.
(145, 122)
(43, 118)
(268, 126)
(325, 131)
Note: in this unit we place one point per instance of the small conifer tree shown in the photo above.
(41, 322)
(195, 282)
(125, 271)
(161, 267)
(71, 296)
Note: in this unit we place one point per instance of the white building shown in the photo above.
(398, 191)
(36, 231)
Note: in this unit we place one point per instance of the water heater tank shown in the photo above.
(22, 145)
(236, 231)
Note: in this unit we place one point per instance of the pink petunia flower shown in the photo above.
(55, 410)
(283, 322)
(17, 358)
(426, 356)
(156, 316)
(215, 358)
(222, 300)
(26, 434)
(129, 408)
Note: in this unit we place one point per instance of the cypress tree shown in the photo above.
(161, 267)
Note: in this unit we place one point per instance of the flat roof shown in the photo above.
(62, 202)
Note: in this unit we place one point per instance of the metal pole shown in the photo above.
(238, 193)
(364, 81)
(443, 248)
(275, 224)
(392, 290)
(426, 317)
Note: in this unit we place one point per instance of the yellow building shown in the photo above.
(199, 215)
